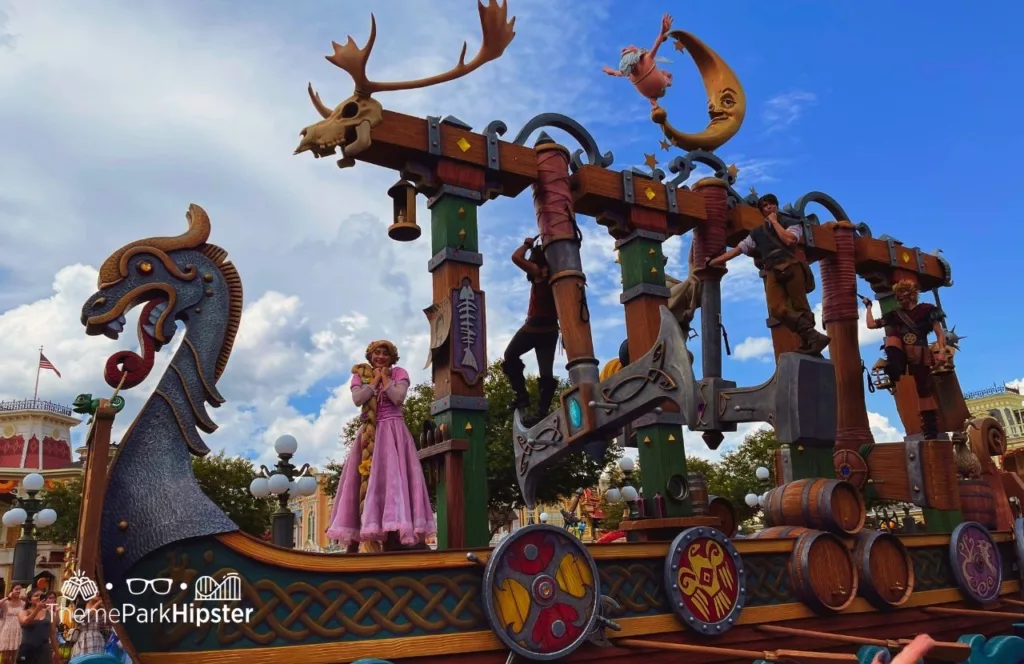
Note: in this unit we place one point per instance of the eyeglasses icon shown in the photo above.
(158, 586)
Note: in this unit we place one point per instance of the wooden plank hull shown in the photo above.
(427, 606)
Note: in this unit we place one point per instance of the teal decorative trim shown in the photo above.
(997, 650)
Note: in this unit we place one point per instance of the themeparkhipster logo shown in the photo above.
(212, 602)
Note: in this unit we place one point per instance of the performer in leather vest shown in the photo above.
(906, 347)
(787, 275)
(539, 333)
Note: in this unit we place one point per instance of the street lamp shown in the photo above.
(29, 514)
(544, 517)
(284, 482)
(627, 492)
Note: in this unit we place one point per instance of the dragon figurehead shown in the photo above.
(174, 279)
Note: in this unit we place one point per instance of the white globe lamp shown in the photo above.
(278, 483)
(613, 495)
(15, 517)
(751, 499)
(286, 444)
(33, 482)
(46, 517)
(762, 473)
(544, 516)
(629, 494)
(306, 485)
(626, 464)
(259, 487)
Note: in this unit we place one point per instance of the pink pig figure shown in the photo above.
(641, 66)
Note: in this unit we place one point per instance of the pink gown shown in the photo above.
(397, 499)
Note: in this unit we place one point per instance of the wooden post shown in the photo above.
(556, 220)
(459, 400)
(640, 214)
(659, 438)
(840, 318)
(97, 459)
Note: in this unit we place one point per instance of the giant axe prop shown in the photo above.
(594, 413)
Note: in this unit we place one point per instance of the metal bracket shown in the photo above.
(805, 227)
(642, 235)
(891, 244)
(920, 260)
(787, 464)
(915, 472)
(627, 187)
(455, 402)
(454, 255)
(434, 135)
(671, 194)
(492, 131)
(644, 289)
(453, 121)
(449, 190)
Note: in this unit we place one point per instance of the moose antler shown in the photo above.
(498, 32)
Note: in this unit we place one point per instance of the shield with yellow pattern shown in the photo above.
(705, 580)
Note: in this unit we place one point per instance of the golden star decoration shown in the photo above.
(650, 161)
(733, 171)
(665, 145)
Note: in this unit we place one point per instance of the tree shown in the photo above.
(225, 481)
(613, 513)
(66, 499)
(576, 471)
(736, 474)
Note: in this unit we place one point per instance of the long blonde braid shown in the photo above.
(369, 433)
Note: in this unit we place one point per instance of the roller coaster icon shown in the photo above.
(228, 589)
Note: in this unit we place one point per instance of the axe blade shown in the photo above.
(663, 374)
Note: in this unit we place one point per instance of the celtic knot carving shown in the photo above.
(768, 580)
(637, 588)
(546, 437)
(932, 570)
(619, 393)
(353, 607)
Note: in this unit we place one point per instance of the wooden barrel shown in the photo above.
(821, 571)
(884, 568)
(698, 493)
(978, 503)
(820, 503)
(726, 513)
(779, 532)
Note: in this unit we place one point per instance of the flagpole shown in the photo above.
(35, 395)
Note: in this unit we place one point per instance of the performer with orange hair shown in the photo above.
(906, 346)
(382, 496)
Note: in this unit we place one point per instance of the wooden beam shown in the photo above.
(871, 254)
(401, 139)
(598, 190)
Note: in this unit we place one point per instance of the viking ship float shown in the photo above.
(816, 585)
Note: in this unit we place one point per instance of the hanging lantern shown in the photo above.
(404, 228)
(879, 378)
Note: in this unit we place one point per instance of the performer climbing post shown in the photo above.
(906, 347)
(539, 333)
(787, 275)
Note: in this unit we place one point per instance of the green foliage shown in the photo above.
(225, 481)
(614, 513)
(735, 475)
(577, 471)
(66, 499)
(333, 472)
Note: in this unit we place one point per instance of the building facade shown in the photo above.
(1006, 404)
(35, 437)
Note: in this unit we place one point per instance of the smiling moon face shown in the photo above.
(727, 103)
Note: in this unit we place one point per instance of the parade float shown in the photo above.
(814, 586)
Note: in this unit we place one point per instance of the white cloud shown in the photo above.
(784, 109)
(883, 430)
(151, 107)
(760, 348)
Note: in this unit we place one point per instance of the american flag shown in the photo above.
(46, 364)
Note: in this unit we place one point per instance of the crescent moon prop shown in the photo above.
(727, 103)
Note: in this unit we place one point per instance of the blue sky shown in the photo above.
(117, 117)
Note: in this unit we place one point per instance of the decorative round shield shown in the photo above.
(705, 580)
(976, 562)
(850, 467)
(542, 592)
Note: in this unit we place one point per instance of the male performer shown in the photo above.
(539, 333)
(787, 275)
(906, 347)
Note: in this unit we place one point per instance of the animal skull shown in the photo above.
(348, 126)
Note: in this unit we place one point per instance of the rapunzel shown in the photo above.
(382, 499)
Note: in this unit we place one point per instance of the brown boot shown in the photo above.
(812, 342)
